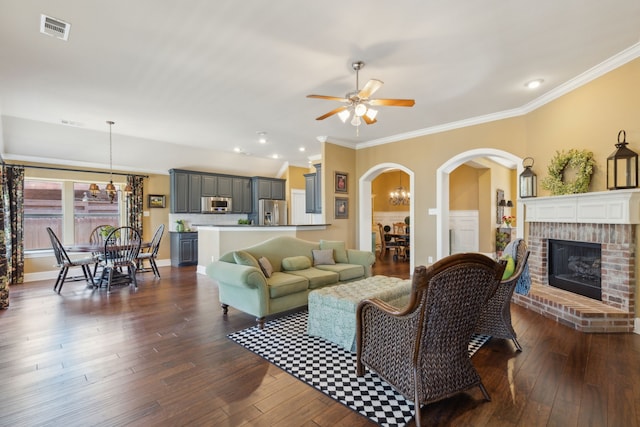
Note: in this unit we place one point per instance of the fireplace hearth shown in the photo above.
(608, 219)
(575, 267)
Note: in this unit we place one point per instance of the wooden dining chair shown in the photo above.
(152, 253)
(387, 243)
(64, 262)
(401, 242)
(121, 249)
(97, 238)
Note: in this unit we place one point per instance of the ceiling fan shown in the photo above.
(359, 101)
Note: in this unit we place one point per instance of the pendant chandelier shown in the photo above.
(110, 188)
(400, 196)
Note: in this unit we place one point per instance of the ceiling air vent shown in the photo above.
(54, 27)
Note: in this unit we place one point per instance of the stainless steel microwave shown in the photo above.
(216, 205)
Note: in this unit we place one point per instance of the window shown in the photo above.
(42, 208)
(68, 208)
(89, 212)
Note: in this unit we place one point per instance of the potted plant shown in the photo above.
(180, 225)
(106, 230)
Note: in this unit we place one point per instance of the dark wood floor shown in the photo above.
(159, 356)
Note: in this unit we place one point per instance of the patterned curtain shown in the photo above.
(12, 235)
(136, 200)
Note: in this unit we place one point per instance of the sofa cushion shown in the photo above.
(294, 263)
(266, 267)
(339, 249)
(345, 271)
(282, 284)
(317, 278)
(323, 257)
(245, 258)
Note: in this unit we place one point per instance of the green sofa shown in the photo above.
(299, 266)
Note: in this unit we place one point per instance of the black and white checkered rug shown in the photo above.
(329, 368)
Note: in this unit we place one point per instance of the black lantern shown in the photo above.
(622, 166)
(528, 180)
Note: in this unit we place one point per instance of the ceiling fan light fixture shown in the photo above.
(355, 121)
(371, 113)
(344, 115)
(360, 110)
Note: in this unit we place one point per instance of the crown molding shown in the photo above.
(593, 73)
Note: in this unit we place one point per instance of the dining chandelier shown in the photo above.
(110, 188)
(400, 196)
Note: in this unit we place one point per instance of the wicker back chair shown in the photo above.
(422, 349)
(495, 317)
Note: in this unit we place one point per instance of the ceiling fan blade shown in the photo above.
(332, 112)
(392, 102)
(330, 98)
(370, 88)
(367, 120)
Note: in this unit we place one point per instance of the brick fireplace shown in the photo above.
(606, 218)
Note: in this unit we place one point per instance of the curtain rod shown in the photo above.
(76, 170)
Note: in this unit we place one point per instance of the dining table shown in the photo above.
(96, 249)
(402, 240)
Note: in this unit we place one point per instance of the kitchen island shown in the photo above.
(216, 240)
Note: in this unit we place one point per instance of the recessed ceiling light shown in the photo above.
(533, 84)
(262, 137)
(302, 149)
(238, 150)
(275, 156)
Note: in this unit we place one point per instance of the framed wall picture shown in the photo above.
(341, 209)
(341, 182)
(157, 200)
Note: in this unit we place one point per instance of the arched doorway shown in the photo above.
(365, 210)
(442, 192)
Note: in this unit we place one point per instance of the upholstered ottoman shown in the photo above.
(332, 310)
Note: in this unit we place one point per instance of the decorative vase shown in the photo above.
(180, 227)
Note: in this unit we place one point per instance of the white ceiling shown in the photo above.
(190, 80)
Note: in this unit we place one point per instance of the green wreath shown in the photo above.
(581, 161)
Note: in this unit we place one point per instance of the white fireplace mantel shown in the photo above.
(603, 207)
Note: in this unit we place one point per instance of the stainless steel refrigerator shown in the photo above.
(272, 212)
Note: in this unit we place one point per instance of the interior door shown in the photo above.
(298, 208)
(464, 234)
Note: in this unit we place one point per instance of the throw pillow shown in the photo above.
(245, 258)
(266, 267)
(509, 268)
(339, 250)
(323, 257)
(296, 263)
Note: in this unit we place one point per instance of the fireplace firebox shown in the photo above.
(575, 267)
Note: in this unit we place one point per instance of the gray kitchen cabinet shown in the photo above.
(186, 188)
(179, 199)
(241, 195)
(195, 191)
(313, 190)
(310, 192)
(209, 185)
(216, 185)
(268, 188)
(184, 248)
